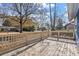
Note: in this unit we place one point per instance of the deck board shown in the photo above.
(52, 47)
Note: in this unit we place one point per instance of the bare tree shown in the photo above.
(3, 14)
(42, 16)
(23, 10)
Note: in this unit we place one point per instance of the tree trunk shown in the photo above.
(21, 25)
(21, 18)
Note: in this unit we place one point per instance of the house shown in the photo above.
(7, 29)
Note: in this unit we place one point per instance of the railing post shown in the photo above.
(58, 36)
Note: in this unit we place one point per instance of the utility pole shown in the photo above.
(52, 24)
(54, 15)
(50, 15)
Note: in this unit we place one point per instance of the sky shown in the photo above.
(61, 10)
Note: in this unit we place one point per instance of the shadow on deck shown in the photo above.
(68, 41)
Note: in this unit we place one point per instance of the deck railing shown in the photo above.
(63, 34)
(10, 42)
(13, 41)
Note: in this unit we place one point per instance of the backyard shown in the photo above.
(38, 29)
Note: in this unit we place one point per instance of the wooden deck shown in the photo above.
(52, 47)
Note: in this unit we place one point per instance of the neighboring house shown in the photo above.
(7, 29)
(1, 21)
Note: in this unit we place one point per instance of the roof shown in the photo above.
(6, 27)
